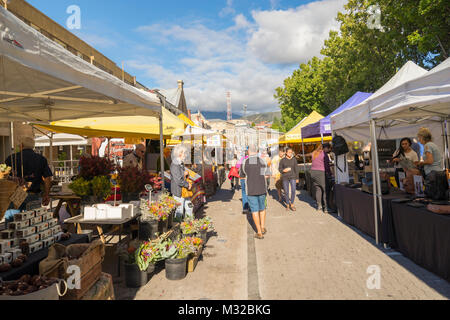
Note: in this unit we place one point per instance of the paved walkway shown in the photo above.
(304, 255)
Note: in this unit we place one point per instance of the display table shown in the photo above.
(356, 209)
(79, 221)
(70, 199)
(31, 266)
(423, 237)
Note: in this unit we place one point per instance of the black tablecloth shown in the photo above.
(31, 266)
(424, 237)
(356, 209)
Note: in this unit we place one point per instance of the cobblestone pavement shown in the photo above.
(310, 255)
(305, 255)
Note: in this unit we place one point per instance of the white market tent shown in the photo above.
(61, 139)
(411, 99)
(42, 81)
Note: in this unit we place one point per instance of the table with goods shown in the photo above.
(415, 221)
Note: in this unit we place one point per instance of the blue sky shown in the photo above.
(243, 46)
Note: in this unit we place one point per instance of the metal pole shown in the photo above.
(321, 136)
(13, 164)
(304, 160)
(161, 141)
(444, 137)
(375, 179)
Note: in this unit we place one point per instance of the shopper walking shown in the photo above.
(255, 171)
(233, 175)
(276, 172)
(245, 205)
(289, 175)
(319, 169)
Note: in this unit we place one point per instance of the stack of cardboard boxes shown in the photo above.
(30, 232)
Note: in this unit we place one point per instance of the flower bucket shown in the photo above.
(150, 269)
(134, 277)
(148, 230)
(202, 235)
(163, 226)
(176, 268)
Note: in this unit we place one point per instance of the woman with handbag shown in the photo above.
(179, 178)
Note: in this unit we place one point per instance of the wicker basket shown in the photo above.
(6, 190)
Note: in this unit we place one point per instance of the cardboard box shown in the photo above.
(36, 220)
(26, 232)
(56, 229)
(45, 234)
(90, 213)
(48, 242)
(22, 216)
(35, 247)
(57, 236)
(52, 222)
(17, 225)
(42, 226)
(4, 246)
(15, 253)
(6, 257)
(30, 239)
(7, 234)
(47, 216)
(40, 212)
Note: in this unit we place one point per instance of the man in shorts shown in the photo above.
(255, 171)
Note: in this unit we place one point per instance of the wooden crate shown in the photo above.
(103, 289)
(87, 281)
(192, 262)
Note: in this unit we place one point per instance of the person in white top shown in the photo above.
(404, 152)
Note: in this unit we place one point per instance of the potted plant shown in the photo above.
(196, 245)
(132, 182)
(101, 187)
(176, 255)
(202, 226)
(147, 255)
(134, 276)
(171, 204)
(188, 228)
(148, 225)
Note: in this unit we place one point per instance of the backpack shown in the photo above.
(339, 145)
(436, 185)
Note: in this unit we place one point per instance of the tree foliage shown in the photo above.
(362, 58)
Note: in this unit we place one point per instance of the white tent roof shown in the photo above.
(363, 112)
(61, 139)
(42, 81)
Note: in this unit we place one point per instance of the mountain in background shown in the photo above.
(257, 117)
(263, 117)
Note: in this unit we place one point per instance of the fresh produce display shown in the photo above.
(26, 285)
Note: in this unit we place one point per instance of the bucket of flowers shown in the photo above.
(176, 255)
(171, 204)
(203, 226)
(160, 214)
(134, 276)
(196, 245)
(188, 228)
(147, 255)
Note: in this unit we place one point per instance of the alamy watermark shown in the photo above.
(374, 280)
(374, 20)
(74, 20)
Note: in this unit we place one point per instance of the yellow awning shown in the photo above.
(186, 120)
(308, 140)
(120, 127)
(295, 134)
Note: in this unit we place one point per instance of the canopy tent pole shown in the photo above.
(12, 148)
(321, 137)
(161, 141)
(445, 138)
(304, 160)
(376, 179)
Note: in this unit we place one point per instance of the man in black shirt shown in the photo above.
(35, 172)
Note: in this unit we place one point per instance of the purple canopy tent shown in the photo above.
(322, 127)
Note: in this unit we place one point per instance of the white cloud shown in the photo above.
(294, 35)
(250, 59)
(228, 10)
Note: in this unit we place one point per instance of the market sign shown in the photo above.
(214, 141)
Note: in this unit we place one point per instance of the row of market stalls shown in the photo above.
(411, 99)
(44, 85)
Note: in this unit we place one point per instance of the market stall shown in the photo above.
(411, 99)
